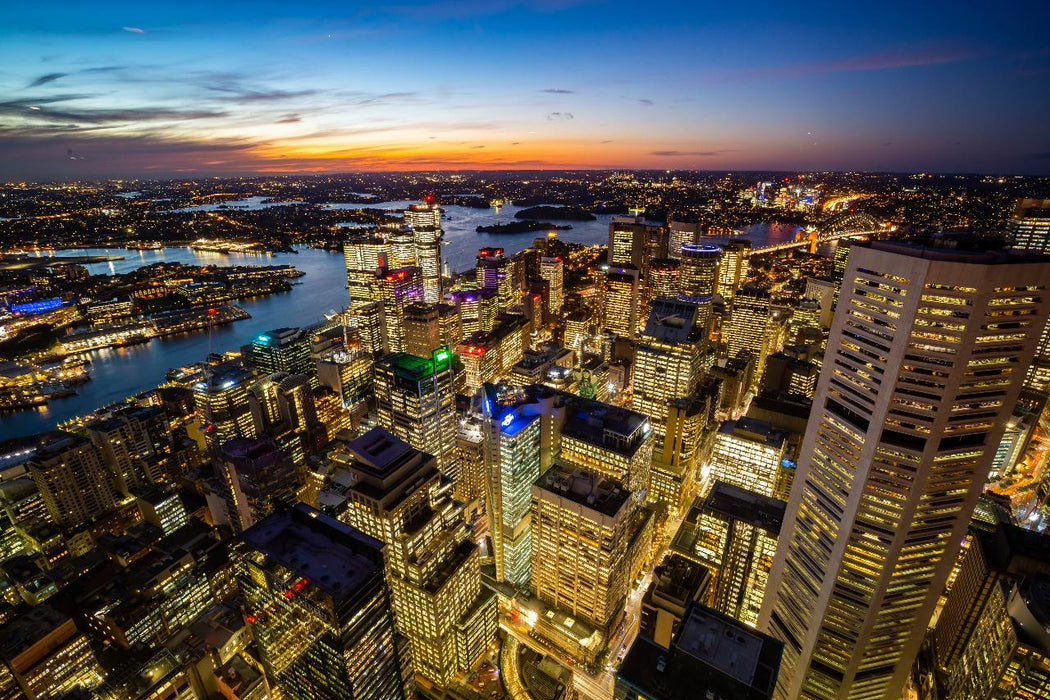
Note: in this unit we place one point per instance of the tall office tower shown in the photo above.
(136, 445)
(477, 308)
(1028, 227)
(985, 640)
(367, 320)
(711, 656)
(750, 325)
(747, 453)
(807, 315)
(73, 481)
(401, 240)
(634, 242)
(679, 234)
(493, 272)
(661, 280)
(221, 401)
(429, 327)
(258, 476)
(43, 655)
(607, 440)
(667, 360)
(842, 248)
(396, 289)
(398, 496)
(552, 270)
(349, 374)
(698, 278)
(910, 407)
(319, 609)
(676, 461)
(733, 532)
(514, 455)
(425, 222)
(579, 326)
(620, 301)
(416, 403)
(473, 474)
(587, 538)
(363, 256)
(282, 350)
(825, 291)
(732, 270)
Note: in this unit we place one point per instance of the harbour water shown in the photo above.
(117, 373)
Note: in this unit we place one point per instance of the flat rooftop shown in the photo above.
(746, 506)
(585, 488)
(332, 555)
(672, 321)
(753, 429)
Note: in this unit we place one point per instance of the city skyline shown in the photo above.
(132, 91)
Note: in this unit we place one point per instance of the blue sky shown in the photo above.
(120, 89)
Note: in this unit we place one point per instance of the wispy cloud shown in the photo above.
(644, 101)
(45, 79)
(559, 115)
(891, 59)
(701, 154)
(134, 30)
(292, 118)
(558, 91)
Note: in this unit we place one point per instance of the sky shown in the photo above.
(187, 89)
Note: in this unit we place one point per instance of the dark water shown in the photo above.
(117, 373)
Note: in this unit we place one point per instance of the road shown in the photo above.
(508, 661)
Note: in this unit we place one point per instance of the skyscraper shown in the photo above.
(283, 350)
(585, 536)
(680, 234)
(258, 476)
(552, 269)
(363, 256)
(621, 302)
(425, 222)
(396, 289)
(399, 497)
(747, 453)
(749, 327)
(221, 401)
(493, 272)
(1029, 229)
(732, 270)
(415, 402)
(73, 481)
(319, 609)
(514, 457)
(634, 242)
(916, 388)
(698, 278)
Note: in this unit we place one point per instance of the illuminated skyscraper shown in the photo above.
(136, 445)
(42, 655)
(634, 242)
(425, 222)
(667, 359)
(493, 273)
(73, 481)
(318, 607)
(349, 374)
(222, 406)
(749, 327)
(415, 402)
(747, 453)
(363, 256)
(397, 289)
(429, 327)
(607, 440)
(733, 532)
(661, 280)
(732, 270)
(1029, 229)
(552, 269)
(698, 277)
(282, 350)
(681, 233)
(399, 497)
(401, 240)
(258, 475)
(588, 534)
(676, 457)
(915, 391)
(478, 309)
(579, 326)
(514, 457)
(621, 301)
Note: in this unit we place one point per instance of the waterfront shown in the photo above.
(117, 373)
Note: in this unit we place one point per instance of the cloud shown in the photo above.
(238, 93)
(290, 119)
(558, 91)
(45, 79)
(644, 101)
(892, 59)
(606, 141)
(559, 115)
(76, 115)
(703, 154)
(134, 30)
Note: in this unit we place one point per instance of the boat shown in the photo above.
(147, 245)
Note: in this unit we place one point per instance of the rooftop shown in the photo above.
(672, 321)
(332, 555)
(411, 367)
(746, 506)
(753, 429)
(586, 488)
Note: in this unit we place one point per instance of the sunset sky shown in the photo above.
(91, 90)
